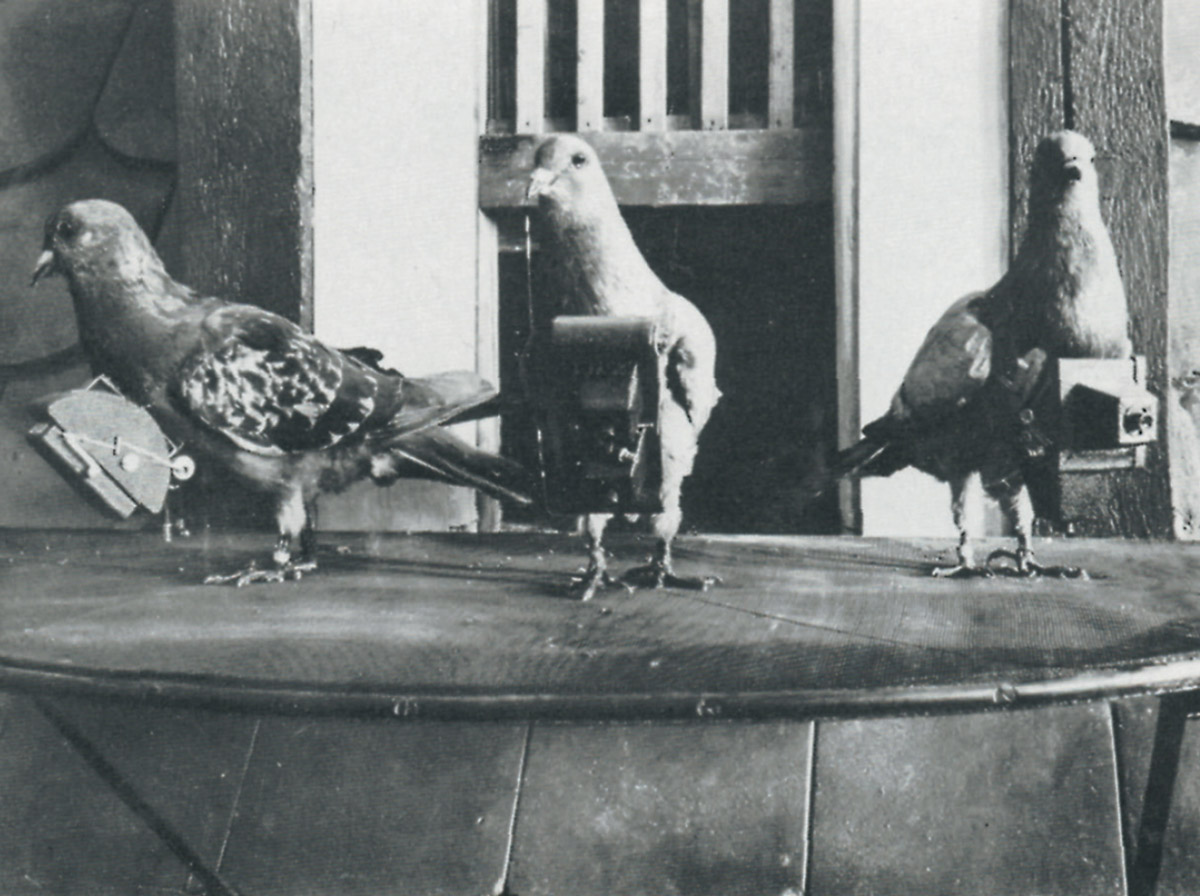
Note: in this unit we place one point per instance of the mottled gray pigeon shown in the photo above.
(250, 391)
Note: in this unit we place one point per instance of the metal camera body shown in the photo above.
(1088, 416)
(600, 380)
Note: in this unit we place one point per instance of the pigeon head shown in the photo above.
(1063, 166)
(94, 235)
(567, 175)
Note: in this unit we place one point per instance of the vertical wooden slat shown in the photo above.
(589, 83)
(694, 26)
(714, 65)
(487, 348)
(652, 64)
(781, 81)
(531, 65)
(491, 75)
(487, 260)
(845, 240)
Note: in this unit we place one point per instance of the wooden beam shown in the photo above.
(781, 77)
(244, 135)
(714, 65)
(679, 167)
(589, 77)
(1035, 91)
(652, 65)
(531, 65)
(845, 140)
(1103, 75)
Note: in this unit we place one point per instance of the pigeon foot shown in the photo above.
(656, 575)
(961, 571)
(252, 575)
(1023, 564)
(596, 579)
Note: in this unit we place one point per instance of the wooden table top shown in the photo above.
(478, 626)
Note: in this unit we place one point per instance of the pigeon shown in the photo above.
(591, 251)
(955, 415)
(252, 392)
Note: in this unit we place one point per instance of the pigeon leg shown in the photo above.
(597, 576)
(966, 496)
(1018, 507)
(295, 524)
(660, 571)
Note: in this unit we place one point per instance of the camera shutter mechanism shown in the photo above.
(598, 381)
(113, 447)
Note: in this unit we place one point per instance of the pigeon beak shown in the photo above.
(539, 183)
(46, 264)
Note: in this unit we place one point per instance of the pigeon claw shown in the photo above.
(962, 571)
(1021, 563)
(252, 575)
(597, 578)
(656, 576)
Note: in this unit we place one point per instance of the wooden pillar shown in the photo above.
(1096, 66)
(1182, 32)
(243, 89)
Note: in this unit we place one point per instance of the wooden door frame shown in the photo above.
(846, 146)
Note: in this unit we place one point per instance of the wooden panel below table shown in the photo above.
(689, 809)
(1018, 802)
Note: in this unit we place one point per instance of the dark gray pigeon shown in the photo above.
(954, 415)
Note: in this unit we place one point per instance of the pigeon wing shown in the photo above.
(952, 365)
(269, 387)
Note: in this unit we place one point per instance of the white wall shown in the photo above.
(932, 203)
(396, 210)
(395, 90)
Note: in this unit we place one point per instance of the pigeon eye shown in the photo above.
(67, 228)
(579, 160)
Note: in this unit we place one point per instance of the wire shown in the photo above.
(525, 362)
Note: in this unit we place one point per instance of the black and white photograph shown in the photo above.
(599, 447)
